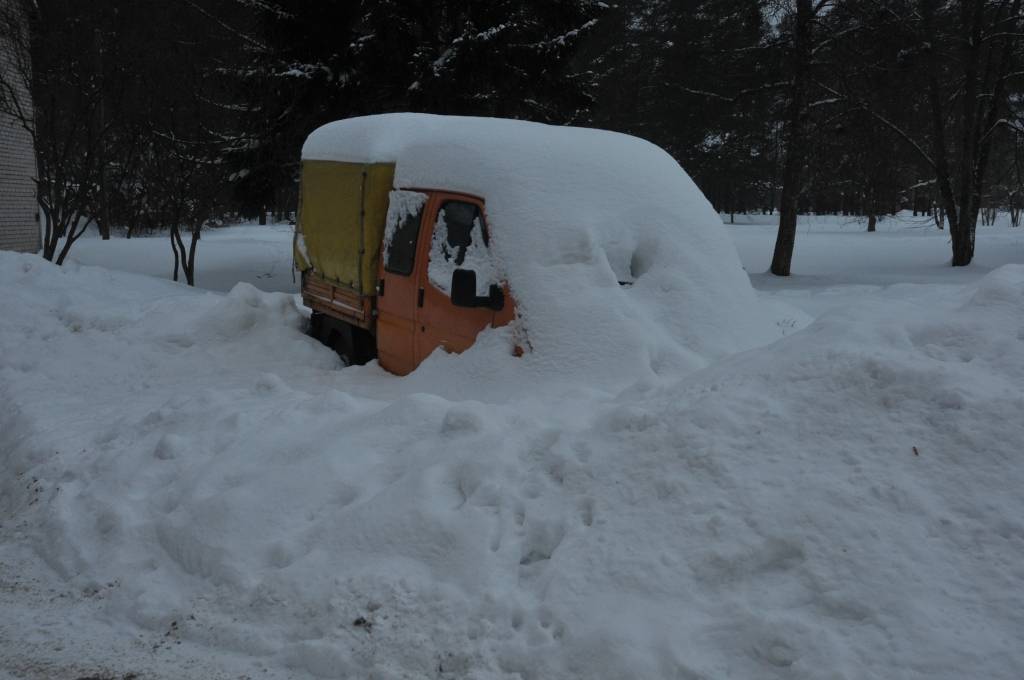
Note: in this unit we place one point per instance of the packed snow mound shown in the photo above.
(160, 335)
(573, 212)
(847, 498)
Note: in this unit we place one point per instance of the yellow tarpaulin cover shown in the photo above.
(342, 210)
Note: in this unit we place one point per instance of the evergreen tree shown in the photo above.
(314, 61)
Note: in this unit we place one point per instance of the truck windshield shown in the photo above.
(460, 219)
(460, 242)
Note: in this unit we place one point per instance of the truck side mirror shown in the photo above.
(464, 288)
(464, 292)
(495, 298)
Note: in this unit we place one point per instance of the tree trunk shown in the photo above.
(174, 247)
(49, 242)
(65, 250)
(872, 220)
(190, 270)
(72, 235)
(962, 237)
(782, 258)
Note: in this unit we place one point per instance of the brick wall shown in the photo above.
(19, 229)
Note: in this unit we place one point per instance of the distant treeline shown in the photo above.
(153, 114)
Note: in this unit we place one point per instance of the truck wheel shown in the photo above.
(354, 345)
(364, 346)
(337, 342)
(315, 329)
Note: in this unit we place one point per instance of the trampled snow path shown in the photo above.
(843, 503)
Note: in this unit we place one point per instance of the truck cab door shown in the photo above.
(455, 237)
(398, 291)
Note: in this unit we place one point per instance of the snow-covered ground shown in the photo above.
(258, 255)
(836, 261)
(195, 489)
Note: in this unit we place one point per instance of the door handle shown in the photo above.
(419, 298)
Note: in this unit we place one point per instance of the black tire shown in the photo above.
(364, 346)
(315, 327)
(354, 345)
(342, 347)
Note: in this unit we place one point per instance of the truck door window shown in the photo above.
(460, 242)
(402, 230)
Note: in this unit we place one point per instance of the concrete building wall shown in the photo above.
(19, 227)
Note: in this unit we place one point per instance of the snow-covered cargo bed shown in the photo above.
(341, 221)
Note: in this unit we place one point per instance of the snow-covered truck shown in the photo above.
(417, 232)
(394, 273)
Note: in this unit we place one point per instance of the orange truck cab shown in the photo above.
(394, 274)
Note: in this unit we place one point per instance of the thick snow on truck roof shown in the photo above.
(619, 265)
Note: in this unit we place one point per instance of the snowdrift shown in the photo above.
(842, 503)
(573, 212)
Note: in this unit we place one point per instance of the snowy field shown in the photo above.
(192, 488)
(261, 256)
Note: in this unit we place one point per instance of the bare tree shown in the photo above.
(964, 55)
(192, 196)
(799, 64)
(54, 62)
(985, 44)
(1007, 187)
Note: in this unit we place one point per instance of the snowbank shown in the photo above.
(842, 503)
(572, 213)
